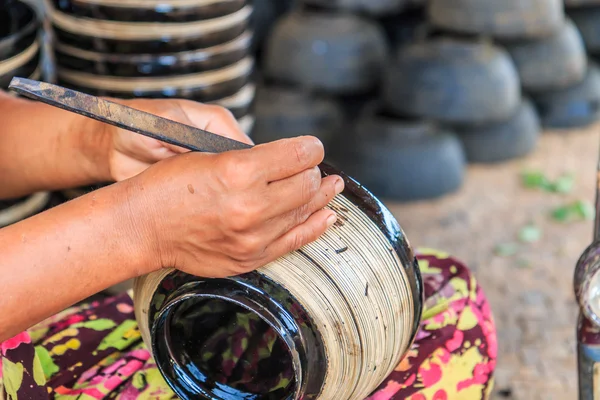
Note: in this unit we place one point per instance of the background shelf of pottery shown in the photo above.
(404, 93)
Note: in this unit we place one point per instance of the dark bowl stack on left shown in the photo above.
(188, 49)
(20, 55)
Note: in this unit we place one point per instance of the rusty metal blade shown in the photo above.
(125, 117)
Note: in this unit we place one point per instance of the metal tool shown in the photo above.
(587, 292)
(138, 121)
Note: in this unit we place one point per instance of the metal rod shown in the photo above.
(141, 122)
(597, 218)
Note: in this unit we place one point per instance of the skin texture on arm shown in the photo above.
(46, 148)
(43, 148)
(210, 215)
(205, 214)
(62, 256)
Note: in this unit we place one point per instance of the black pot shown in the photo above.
(148, 10)
(15, 210)
(24, 64)
(241, 102)
(208, 86)
(256, 336)
(19, 25)
(136, 65)
(146, 37)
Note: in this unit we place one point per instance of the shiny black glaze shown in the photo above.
(269, 294)
(161, 13)
(19, 25)
(153, 65)
(201, 94)
(241, 111)
(4, 204)
(154, 46)
(258, 294)
(24, 70)
(388, 225)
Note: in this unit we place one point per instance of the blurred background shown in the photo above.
(475, 121)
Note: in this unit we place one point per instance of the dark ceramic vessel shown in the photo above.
(193, 90)
(148, 10)
(147, 38)
(241, 102)
(187, 62)
(190, 317)
(19, 25)
(26, 63)
(15, 210)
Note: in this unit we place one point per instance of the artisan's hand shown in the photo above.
(131, 153)
(218, 215)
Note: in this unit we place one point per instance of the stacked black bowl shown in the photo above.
(20, 55)
(193, 49)
(20, 41)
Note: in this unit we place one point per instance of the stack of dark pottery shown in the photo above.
(313, 56)
(549, 56)
(583, 100)
(20, 41)
(323, 65)
(126, 49)
(156, 49)
(20, 55)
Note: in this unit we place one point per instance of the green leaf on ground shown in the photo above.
(537, 180)
(564, 184)
(530, 234)
(585, 209)
(534, 179)
(576, 211)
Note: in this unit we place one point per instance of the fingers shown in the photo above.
(285, 158)
(214, 119)
(308, 232)
(293, 202)
(331, 186)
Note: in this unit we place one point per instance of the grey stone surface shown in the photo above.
(531, 292)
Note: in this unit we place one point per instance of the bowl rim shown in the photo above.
(30, 205)
(242, 42)
(31, 26)
(144, 31)
(254, 301)
(154, 84)
(20, 59)
(241, 98)
(150, 4)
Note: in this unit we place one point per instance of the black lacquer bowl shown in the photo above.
(19, 44)
(167, 64)
(205, 86)
(330, 320)
(241, 102)
(19, 24)
(149, 10)
(15, 210)
(106, 36)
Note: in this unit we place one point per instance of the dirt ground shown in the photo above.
(530, 292)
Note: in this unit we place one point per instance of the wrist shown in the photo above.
(141, 224)
(94, 142)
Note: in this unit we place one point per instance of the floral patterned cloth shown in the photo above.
(96, 352)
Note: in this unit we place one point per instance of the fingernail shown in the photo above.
(331, 219)
(339, 185)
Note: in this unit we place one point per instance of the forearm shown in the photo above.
(66, 254)
(46, 148)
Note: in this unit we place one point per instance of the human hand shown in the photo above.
(130, 153)
(217, 215)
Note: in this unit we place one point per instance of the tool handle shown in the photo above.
(119, 115)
